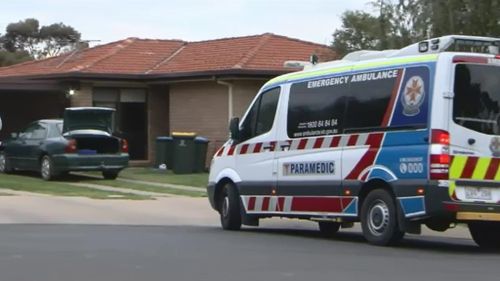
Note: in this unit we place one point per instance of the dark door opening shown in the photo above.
(132, 124)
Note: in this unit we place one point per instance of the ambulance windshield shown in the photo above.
(477, 98)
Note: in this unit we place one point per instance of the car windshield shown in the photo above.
(477, 98)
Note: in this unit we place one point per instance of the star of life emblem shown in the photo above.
(495, 146)
(413, 96)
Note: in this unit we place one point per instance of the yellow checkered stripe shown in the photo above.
(473, 168)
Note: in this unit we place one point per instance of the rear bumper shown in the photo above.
(76, 162)
(465, 211)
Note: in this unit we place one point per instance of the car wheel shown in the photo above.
(229, 208)
(379, 218)
(5, 166)
(328, 229)
(486, 234)
(110, 175)
(46, 168)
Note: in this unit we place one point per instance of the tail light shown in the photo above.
(439, 155)
(124, 146)
(71, 147)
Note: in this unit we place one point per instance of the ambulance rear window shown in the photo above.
(477, 98)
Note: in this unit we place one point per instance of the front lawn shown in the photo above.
(31, 182)
(167, 177)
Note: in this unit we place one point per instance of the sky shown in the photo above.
(189, 20)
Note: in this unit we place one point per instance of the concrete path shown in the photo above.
(166, 185)
(121, 190)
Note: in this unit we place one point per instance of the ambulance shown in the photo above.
(392, 139)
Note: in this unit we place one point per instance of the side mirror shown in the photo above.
(234, 128)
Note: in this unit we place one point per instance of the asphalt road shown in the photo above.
(66, 238)
(177, 252)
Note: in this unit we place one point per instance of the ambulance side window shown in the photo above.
(261, 116)
(316, 107)
(368, 101)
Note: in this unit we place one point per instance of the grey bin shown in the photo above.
(184, 153)
(201, 146)
(164, 152)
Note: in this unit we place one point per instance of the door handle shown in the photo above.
(471, 141)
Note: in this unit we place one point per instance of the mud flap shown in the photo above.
(406, 225)
(246, 219)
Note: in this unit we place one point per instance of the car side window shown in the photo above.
(34, 131)
(260, 118)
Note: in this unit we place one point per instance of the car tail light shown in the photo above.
(124, 145)
(71, 147)
(440, 155)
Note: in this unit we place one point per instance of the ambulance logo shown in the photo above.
(413, 97)
(495, 146)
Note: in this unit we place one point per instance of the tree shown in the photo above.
(40, 42)
(359, 31)
(395, 24)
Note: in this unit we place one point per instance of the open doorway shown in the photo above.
(130, 116)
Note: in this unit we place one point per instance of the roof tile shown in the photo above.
(145, 56)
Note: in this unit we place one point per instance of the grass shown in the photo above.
(168, 177)
(33, 183)
(161, 176)
(138, 186)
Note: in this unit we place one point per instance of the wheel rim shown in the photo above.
(378, 217)
(225, 206)
(45, 168)
(2, 162)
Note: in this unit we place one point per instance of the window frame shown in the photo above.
(257, 102)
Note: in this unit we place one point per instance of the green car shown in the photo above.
(83, 141)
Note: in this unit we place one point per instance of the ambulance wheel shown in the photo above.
(230, 216)
(486, 234)
(328, 229)
(379, 219)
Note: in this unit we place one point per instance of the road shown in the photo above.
(195, 248)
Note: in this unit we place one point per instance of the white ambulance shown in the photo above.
(392, 139)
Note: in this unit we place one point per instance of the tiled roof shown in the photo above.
(146, 57)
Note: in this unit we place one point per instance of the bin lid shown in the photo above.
(164, 138)
(201, 139)
(184, 134)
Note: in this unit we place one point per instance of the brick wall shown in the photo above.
(244, 92)
(200, 107)
(158, 117)
(83, 96)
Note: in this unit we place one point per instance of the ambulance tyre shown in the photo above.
(486, 234)
(229, 208)
(379, 218)
(328, 228)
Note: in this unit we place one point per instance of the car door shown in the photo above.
(255, 161)
(33, 142)
(23, 149)
(475, 134)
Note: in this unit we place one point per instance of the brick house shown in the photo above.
(156, 86)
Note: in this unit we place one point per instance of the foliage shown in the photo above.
(9, 58)
(395, 24)
(26, 39)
